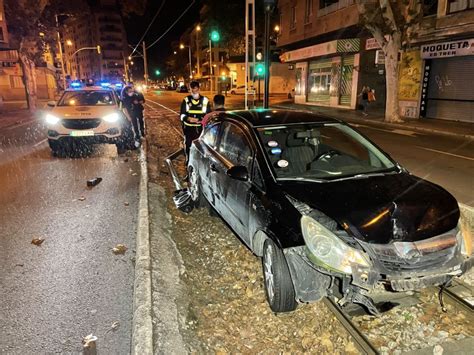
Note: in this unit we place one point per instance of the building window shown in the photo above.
(327, 3)
(459, 5)
(16, 82)
(430, 7)
(2, 38)
(1, 16)
(308, 11)
(293, 17)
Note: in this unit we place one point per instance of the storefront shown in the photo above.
(325, 73)
(448, 77)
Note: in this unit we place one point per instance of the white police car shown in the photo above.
(87, 115)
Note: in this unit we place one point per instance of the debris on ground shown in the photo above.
(119, 249)
(37, 241)
(113, 327)
(82, 198)
(94, 182)
(126, 203)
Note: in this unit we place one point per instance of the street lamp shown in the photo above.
(69, 42)
(276, 28)
(182, 46)
(198, 28)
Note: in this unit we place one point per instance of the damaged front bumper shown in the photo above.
(313, 282)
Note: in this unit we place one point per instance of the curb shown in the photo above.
(142, 326)
(384, 124)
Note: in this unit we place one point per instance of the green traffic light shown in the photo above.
(157, 72)
(260, 69)
(215, 36)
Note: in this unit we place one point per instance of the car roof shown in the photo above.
(266, 117)
(90, 88)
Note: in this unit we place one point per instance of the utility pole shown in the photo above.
(210, 63)
(63, 72)
(269, 4)
(249, 36)
(145, 64)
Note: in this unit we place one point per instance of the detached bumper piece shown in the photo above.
(181, 197)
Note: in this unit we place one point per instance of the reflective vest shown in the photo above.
(194, 108)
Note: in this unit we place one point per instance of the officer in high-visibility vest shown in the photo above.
(193, 108)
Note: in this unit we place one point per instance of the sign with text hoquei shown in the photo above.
(448, 49)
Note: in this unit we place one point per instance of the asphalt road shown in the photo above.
(446, 161)
(72, 285)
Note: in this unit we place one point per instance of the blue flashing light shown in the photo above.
(276, 151)
(75, 85)
(118, 85)
(105, 85)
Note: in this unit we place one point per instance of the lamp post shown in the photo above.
(182, 46)
(198, 51)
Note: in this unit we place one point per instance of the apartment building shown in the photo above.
(103, 27)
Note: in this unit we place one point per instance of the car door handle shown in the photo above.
(213, 168)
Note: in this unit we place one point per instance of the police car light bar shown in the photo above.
(105, 85)
(75, 85)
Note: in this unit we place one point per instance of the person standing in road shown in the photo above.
(219, 102)
(193, 108)
(137, 119)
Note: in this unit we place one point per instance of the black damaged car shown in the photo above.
(328, 211)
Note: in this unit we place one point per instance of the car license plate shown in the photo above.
(82, 133)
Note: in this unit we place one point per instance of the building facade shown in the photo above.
(103, 27)
(334, 58)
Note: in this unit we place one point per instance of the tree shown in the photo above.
(393, 24)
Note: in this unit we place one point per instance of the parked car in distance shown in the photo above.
(329, 212)
(240, 90)
(182, 88)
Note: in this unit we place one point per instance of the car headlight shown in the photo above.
(464, 237)
(327, 250)
(51, 119)
(113, 117)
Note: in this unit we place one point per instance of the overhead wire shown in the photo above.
(149, 26)
(174, 23)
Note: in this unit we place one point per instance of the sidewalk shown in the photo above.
(15, 112)
(423, 125)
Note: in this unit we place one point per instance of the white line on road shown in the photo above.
(396, 131)
(40, 142)
(163, 106)
(441, 152)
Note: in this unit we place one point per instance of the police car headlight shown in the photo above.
(113, 117)
(51, 119)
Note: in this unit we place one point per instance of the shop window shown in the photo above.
(299, 78)
(320, 81)
(459, 5)
(308, 11)
(293, 17)
(430, 7)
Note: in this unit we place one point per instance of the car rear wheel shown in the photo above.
(277, 279)
(57, 148)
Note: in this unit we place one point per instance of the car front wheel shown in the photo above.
(277, 279)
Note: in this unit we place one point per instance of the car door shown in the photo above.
(234, 149)
(209, 139)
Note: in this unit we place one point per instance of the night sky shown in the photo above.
(136, 26)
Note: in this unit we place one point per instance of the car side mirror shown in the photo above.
(238, 172)
(51, 103)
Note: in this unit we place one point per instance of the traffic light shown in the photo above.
(215, 36)
(98, 49)
(157, 72)
(260, 69)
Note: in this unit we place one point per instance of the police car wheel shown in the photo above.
(57, 148)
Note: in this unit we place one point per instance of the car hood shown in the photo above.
(381, 209)
(82, 112)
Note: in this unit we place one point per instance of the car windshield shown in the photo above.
(321, 152)
(87, 98)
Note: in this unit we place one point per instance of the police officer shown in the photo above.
(193, 109)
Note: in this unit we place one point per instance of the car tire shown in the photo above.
(279, 288)
(57, 148)
(232, 92)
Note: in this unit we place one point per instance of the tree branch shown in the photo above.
(370, 24)
(387, 14)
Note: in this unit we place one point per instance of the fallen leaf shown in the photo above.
(37, 241)
(126, 204)
(82, 198)
(119, 249)
(89, 340)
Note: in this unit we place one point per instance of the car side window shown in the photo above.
(234, 145)
(211, 134)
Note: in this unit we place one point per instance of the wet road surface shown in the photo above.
(72, 284)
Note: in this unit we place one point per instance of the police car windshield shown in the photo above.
(87, 98)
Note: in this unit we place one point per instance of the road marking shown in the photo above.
(40, 142)
(402, 132)
(21, 124)
(446, 153)
(163, 106)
